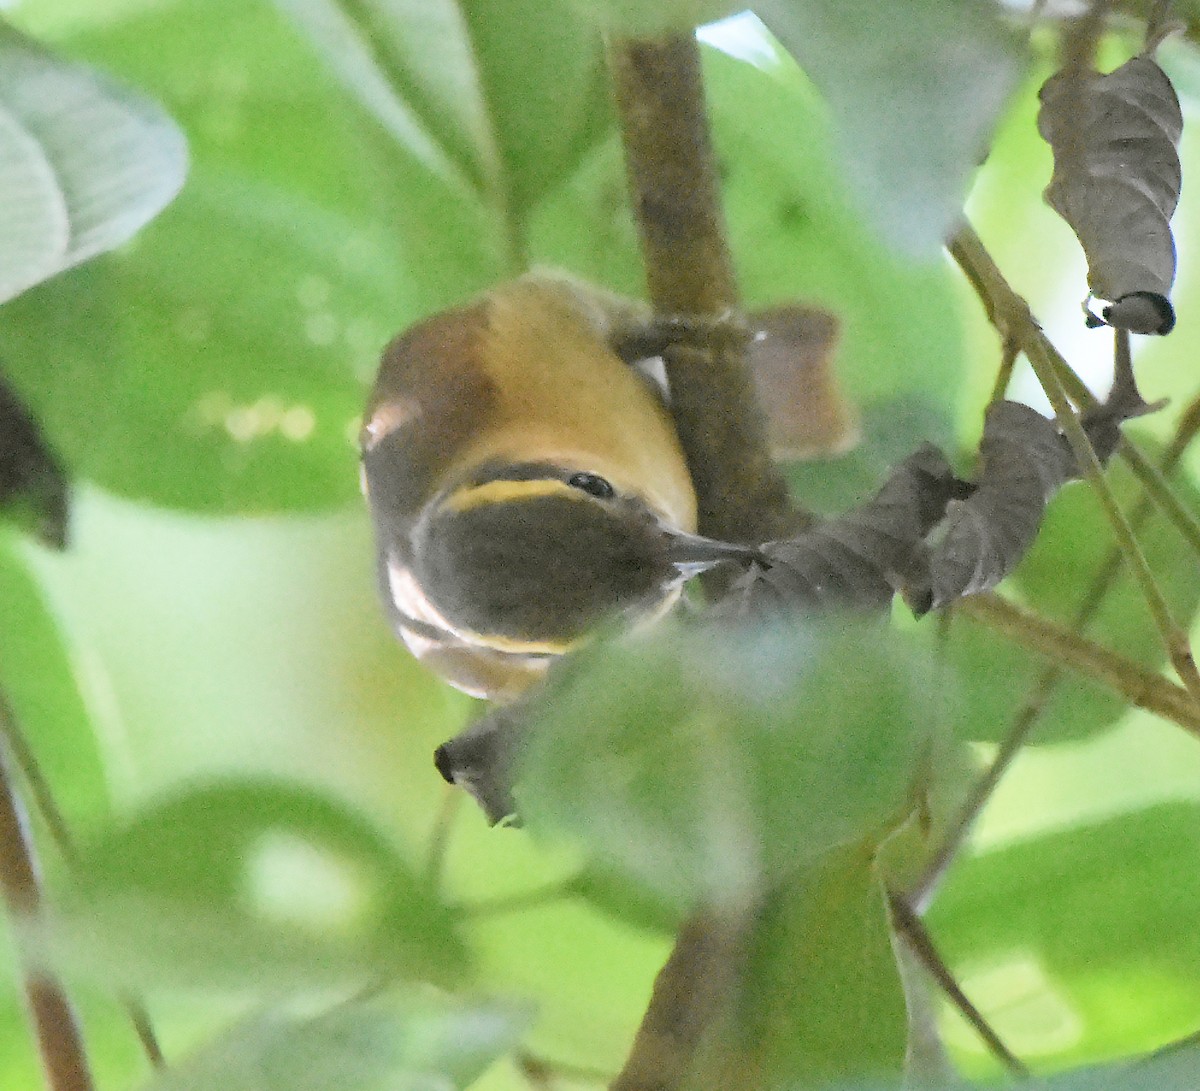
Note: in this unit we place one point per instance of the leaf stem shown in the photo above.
(12, 736)
(59, 1039)
(1013, 320)
(1011, 316)
(910, 926)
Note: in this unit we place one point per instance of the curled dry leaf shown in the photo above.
(1116, 182)
(1026, 461)
(480, 759)
(857, 560)
(32, 482)
(793, 361)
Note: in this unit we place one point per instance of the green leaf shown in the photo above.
(1080, 945)
(706, 764)
(43, 678)
(821, 997)
(224, 359)
(413, 1042)
(915, 90)
(500, 98)
(214, 383)
(246, 884)
(997, 675)
(85, 163)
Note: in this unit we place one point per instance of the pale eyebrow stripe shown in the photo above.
(504, 490)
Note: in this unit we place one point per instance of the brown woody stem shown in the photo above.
(55, 1027)
(912, 929)
(689, 272)
(47, 806)
(741, 495)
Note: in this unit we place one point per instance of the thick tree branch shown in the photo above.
(741, 494)
(689, 271)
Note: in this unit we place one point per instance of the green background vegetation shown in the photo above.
(209, 656)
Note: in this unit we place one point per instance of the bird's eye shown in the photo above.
(593, 484)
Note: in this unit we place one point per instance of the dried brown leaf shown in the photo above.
(982, 539)
(1116, 182)
(857, 560)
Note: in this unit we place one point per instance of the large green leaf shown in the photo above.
(84, 163)
(412, 1042)
(709, 763)
(501, 98)
(1080, 945)
(221, 363)
(998, 676)
(248, 884)
(915, 90)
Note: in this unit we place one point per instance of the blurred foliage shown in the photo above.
(244, 752)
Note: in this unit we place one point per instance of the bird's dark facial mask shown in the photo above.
(539, 562)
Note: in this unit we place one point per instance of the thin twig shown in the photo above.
(516, 903)
(439, 836)
(912, 929)
(1011, 316)
(1139, 686)
(544, 1073)
(60, 833)
(1038, 698)
(59, 1039)
(1173, 636)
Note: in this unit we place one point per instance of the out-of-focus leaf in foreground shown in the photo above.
(84, 163)
(708, 762)
(821, 997)
(408, 1042)
(246, 885)
(915, 90)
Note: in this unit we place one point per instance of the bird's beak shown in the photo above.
(691, 554)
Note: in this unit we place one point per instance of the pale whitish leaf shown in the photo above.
(411, 1042)
(1116, 182)
(33, 216)
(86, 162)
(915, 90)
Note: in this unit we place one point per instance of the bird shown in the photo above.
(525, 482)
